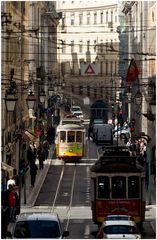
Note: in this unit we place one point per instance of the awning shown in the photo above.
(8, 168)
(29, 136)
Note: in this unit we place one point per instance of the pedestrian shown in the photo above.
(30, 155)
(12, 202)
(90, 129)
(46, 148)
(4, 213)
(33, 173)
(41, 156)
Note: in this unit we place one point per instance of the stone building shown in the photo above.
(29, 61)
(88, 48)
(140, 30)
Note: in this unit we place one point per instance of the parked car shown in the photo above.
(120, 229)
(123, 132)
(102, 133)
(77, 112)
(75, 108)
(38, 225)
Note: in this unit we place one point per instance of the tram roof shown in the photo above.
(70, 126)
(116, 164)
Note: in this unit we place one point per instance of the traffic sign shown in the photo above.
(88, 68)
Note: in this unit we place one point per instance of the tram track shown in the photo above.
(59, 194)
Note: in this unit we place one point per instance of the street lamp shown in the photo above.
(138, 98)
(10, 100)
(30, 100)
(42, 96)
(50, 91)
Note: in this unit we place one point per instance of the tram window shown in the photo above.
(119, 187)
(79, 136)
(63, 136)
(103, 187)
(71, 136)
(133, 187)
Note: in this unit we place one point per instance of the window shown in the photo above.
(106, 68)
(101, 17)
(79, 136)
(72, 46)
(63, 46)
(94, 45)
(106, 17)
(72, 88)
(103, 187)
(80, 19)
(133, 187)
(71, 136)
(101, 92)
(88, 90)
(152, 16)
(101, 46)
(118, 187)
(95, 18)
(88, 18)
(63, 136)
(111, 68)
(115, 67)
(115, 15)
(106, 45)
(72, 19)
(95, 92)
(88, 46)
(111, 16)
(63, 21)
(80, 90)
(80, 47)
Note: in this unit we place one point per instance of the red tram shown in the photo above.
(117, 185)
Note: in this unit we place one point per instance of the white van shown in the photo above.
(102, 133)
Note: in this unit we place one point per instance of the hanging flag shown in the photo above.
(132, 73)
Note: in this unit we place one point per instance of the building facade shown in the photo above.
(29, 63)
(140, 32)
(88, 46)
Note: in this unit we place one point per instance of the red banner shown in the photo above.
(132, 73)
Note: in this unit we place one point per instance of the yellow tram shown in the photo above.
(70, 141)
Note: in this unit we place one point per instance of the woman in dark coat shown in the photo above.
(33, 173)
(41, 156)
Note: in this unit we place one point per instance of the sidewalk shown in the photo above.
(30, 194)
(152, 203)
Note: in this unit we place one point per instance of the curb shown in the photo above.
(41, 178)
(153, 225)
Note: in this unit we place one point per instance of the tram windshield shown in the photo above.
(63, 136)
(79, 136)
(71, 136)
(133, 187)
(121, 187)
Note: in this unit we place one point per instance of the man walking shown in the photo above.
(33, 173)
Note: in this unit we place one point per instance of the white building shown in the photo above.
(88, 46)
